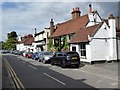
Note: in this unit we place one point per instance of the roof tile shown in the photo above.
(82, 34)
(71, 26)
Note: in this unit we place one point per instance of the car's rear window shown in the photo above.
(30, 52)
(72, 53)
(48, 53)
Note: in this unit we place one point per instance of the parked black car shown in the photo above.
(66, 59)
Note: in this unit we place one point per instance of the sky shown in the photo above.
(23, 17)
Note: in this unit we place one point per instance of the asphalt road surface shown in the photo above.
(41, 77)
(47, 76)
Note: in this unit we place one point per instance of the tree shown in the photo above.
(12, 34)
(2, 45)
(10, 44)
(65, 45)
(50, 44)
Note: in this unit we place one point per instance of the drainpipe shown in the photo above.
(117, 49)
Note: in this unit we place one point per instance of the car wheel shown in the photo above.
(63, 65)
(39, 60)
(77, 66)
(44, 61)
(52, 63)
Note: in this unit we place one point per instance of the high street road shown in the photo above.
(33, 74)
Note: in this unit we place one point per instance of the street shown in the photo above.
(34, 74)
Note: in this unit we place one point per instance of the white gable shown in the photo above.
(103, 32)
(93, 19)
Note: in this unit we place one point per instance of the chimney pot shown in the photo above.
(89, 5)
(73, 9)
(51, 27)
(75, 13)
(51, 20)
(111, 16)
(90, 8)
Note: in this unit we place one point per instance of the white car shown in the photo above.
(45, 56)
(24, 54)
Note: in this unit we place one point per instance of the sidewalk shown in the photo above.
(101, 71)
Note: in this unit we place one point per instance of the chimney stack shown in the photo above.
(90, 8)
(111, 16)
(51, 27)
(111, 22)
(117, 22)
(75, 13)
(35, 30)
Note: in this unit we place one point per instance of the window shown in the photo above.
(83, 49)
(73, 48)
(47, 34)
(59, 54)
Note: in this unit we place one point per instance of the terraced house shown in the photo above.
(94, 38)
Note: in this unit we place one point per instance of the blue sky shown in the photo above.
(23, 17)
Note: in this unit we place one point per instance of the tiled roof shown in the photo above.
(27, 40)
(82, 34)
(71, 26)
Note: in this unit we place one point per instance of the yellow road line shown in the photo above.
(17, 81)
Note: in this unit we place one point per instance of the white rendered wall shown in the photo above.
(20, 47)
(74, 45)
(118, 41)
(103, 47)
(112, 41)
(88, 52)
(99, 50)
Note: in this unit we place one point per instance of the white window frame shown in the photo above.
(82, 50)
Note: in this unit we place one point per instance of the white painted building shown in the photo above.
(25, 43)
(94, 38)
(101, 41)
(41, 40)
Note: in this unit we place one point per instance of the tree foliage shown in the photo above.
(50, 44)
(2, 45)
(10, 44)
(65, 44)
(56, 46)
(12, 34)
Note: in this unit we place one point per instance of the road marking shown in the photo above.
(54, 79)
(114, 83)
(100, 75)
(22, 61)
(32, 67)
(16, 80)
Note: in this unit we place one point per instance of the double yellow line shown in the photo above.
(17, 82)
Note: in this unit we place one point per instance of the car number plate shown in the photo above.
(74, 57)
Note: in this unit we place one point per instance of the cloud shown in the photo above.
(61, 1)
(23, 17)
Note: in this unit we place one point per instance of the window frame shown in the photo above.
(82, 50)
